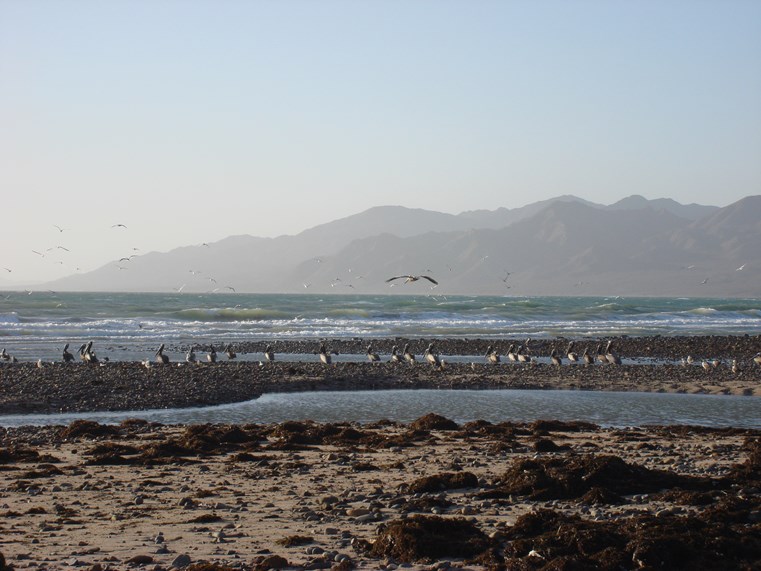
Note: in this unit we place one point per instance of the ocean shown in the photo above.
(126, 326)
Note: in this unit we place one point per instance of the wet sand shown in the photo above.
(76, 387)
(425, 495)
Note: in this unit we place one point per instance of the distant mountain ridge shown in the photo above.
(562, 246)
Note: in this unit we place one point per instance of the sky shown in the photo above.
(189, 121)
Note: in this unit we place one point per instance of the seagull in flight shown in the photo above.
(118, 226)
(58, 227)
(741, 268)
(410, 278)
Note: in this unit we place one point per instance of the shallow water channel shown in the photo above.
(604, 408)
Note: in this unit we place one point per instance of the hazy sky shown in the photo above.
(189, 121)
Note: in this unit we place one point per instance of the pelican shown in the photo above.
(610, 356)
(4, 356)
(325, 355)
(211, 356)
(757, 359)
(372, 356)
(735, 367)
(161, 359)
(395, 358)
(707, 366)
(600, 355)
(409, 356)
(87, 354)
(39, 363)
(587, 358)
(230, 353)
(410, 278)
(522, 353)
(572, 357)
(555, 358)
(511, 354)
(491, 355)
(432, 357)
(190, 356)
(67, 357)
(716, 363)
(269, 354)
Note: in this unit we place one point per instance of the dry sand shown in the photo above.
(302, 495)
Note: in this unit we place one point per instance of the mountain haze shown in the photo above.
(563, 246)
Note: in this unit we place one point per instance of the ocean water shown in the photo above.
(126, 325)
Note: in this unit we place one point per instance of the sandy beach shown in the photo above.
(430, 494)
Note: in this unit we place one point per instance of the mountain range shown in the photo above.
(562, 246)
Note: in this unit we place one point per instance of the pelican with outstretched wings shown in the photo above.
(410, 278)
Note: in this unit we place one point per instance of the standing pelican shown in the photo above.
(610, 356)
(587, 358)
(555, 358)
(522, 353)
(372, 356)
(5, 356)
(325, 355)
(162, 359)
(511, 354)
(87, 354)
(395, 358)
(600, 355)
(757, 359)
(492, 356)
(190, 356)
(229, 352)
(409, 356)
(735, 367)
(432, 358)
(572, 357)
(211, 356)
(67, 357)
(269, 354)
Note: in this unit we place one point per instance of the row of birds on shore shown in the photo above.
(519, 354)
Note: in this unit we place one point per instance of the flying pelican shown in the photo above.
(491, 355)
(211, 356)
(572, 357)
(229, 352)
(67, 357)
(610, 356)
(410, 278)
(587, 358)
(409, 356)
(433, 358)
(190, 356)
(269, 354)
(555, 358)
(372, 356)
(161, 359)
(395, 358)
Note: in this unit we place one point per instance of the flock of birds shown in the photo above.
(519, 354)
